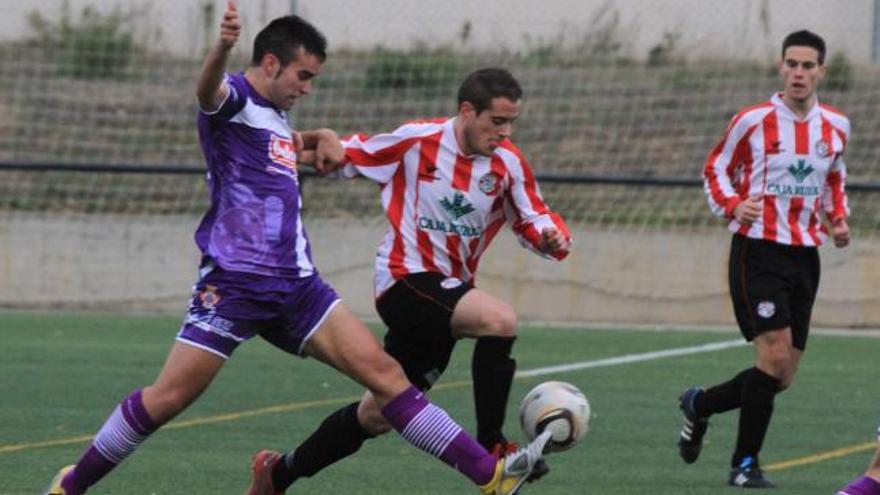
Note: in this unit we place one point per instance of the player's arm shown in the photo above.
(537, 227)
(211, 89)
(719, 174)
(835, 202)
(322, 149)
(379, 157)
(355, 156)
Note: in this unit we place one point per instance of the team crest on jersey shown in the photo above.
(209, 297)
(766, 309)
(282, 151)
(822, 148)
(489, 184)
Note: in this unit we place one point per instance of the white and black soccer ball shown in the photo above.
(558, 407)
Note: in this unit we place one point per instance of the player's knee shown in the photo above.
(370, 416)
(500, 322)
(381, 373)
(371, 419)
(785, 383)
(778, 362)
(166, 403)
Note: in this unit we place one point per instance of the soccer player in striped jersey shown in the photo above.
(869, 483)
(447, 186)
(257, 276)
(776, 172)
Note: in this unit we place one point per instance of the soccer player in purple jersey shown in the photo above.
(869, 483)
(257, 277)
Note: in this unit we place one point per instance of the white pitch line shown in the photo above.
(631, 358)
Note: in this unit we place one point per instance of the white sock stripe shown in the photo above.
(117, 439)
(423, 422)
(443, 438)
(420, 430)
(431, 430)
(415, 426)
(117, 444)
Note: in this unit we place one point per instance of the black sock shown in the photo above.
(339, 436)
(759, 389)
(492, 369)
(722, 397)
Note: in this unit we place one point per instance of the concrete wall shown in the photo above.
(742, 28)
(136, 264)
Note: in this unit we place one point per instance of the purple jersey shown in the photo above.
(254, 223)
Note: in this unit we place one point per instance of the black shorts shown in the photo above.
(773, 286)
(417, 310)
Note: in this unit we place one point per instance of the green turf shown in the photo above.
(62, 374)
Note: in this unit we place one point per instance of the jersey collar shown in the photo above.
(781, 107)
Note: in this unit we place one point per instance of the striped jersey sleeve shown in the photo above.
(836, 128)
(378, 157)
(525, 207)
(723, 175)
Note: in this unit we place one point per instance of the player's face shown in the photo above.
(294, 79)
(801, 72)
(483, 132)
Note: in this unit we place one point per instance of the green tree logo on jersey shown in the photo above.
(801, 170)
(458, 206)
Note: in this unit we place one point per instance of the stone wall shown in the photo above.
(655, 278)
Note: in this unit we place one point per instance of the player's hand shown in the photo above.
(840, 232)
(298, 143)
(552, 241)
(230, 27)
(749, 209)
(329, 153)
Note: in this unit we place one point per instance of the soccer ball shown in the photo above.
(558, 407)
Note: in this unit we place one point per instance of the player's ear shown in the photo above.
(467, 109)
(270, 65)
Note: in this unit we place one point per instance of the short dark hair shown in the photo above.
(481, 86)
(284, 36)
(805, 38)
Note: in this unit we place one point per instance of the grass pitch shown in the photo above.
(63, 373)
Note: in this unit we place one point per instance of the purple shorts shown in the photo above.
(228, 308)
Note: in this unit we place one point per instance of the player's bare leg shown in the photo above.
(346, 344)
(187, 373)
(776, 363)
(492, 322)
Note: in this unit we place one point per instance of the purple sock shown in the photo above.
(126, 428)
(429, 428)
(864, 485)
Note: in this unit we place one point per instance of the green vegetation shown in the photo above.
(95, 46)
(432, 71)
(840, 75)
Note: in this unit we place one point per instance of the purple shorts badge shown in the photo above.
(228, 308)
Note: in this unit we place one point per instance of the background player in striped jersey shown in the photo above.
(448, 186)
(777, 169)
(257, 277)
(869, 483)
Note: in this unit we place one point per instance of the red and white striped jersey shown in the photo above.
(445, 208)
(796, 165)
